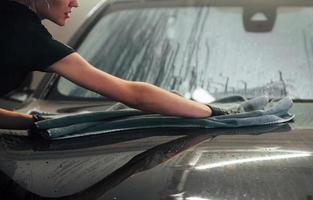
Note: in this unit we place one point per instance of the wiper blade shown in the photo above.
(302, 100)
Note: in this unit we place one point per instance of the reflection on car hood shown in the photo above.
(262, 162)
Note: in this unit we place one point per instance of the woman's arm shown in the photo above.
(140, 95)
(14, 120)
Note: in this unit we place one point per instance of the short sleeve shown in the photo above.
(39, 49)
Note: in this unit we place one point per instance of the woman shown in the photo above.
(27, 46)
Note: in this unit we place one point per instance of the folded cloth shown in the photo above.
(257, 103)
(253, 112)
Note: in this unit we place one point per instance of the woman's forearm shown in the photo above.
(157, 100)
(14, 120)
(140, 95)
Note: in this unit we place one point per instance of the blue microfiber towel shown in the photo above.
(253, 112)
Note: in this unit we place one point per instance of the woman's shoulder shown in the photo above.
(21, 28)
(18, 20)
(11, 11)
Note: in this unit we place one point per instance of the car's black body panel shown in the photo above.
(163, 164)
(265, 162)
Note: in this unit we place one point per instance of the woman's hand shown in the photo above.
(14, 120)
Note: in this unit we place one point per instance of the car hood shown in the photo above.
(268, 162)
(262, 162)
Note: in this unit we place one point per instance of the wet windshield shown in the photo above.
(187, 48)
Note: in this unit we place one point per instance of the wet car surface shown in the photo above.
(263, 162)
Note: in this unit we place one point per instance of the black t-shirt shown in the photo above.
(25, 45)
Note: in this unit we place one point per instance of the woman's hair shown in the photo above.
(48, 4)
(30, 3)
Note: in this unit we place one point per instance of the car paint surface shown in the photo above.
(264, 162)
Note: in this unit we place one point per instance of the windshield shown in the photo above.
(187, 48)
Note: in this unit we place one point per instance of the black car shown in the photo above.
(205, 50)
